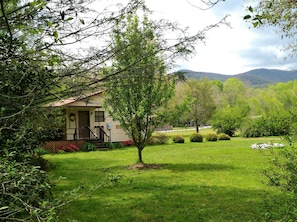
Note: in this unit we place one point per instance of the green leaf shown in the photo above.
(82, 21)
(255, 24)
(247, 17)
(251, 9)
(56, 35)
(33, 31)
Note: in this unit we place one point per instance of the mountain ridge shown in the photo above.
(254, 77)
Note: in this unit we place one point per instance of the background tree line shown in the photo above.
(233, 106)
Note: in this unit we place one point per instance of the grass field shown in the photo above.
(209, 181)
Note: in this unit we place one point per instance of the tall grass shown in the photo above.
(209, 181)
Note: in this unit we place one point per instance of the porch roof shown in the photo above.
(70, 101)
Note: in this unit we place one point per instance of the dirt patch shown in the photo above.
(144, 166)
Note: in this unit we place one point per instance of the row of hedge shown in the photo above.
(156, 139)
(197, 137)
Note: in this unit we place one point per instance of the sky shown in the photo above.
(227, 50)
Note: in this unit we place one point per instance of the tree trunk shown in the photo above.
(140, 155)
(197, 125)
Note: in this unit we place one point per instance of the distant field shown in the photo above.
(186, 132)
(209, 181)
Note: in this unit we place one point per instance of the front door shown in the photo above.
(83, 124)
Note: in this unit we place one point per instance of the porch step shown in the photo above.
(99, 145)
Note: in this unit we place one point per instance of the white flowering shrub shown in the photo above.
(263, 146)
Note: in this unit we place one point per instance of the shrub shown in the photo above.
(41, 163)
(158, 138)
(196, 137)
(254, 127)
(269, 125)
(86, 147)
(282, 173)
(127, 143)
(152, 140)
(40, 151)
(117, 145)
(69, 148)
(223, 136)
(178, 139)
(211, 137)
(228, 120)
(26, 193)
(109, 145)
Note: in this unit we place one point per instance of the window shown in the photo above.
(99, 116)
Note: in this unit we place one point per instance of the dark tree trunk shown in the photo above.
(197, 125)
(140, 155)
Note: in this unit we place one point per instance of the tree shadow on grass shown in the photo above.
(169, 202)
(196, 167)
(178, 167)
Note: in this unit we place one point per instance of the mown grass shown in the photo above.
(209, 181)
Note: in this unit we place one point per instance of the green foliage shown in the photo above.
(269, 125)
(234, 90)
(200, 94)
(109, 145)
(39, 151)
(26, 192)
(87, 147)
(223, 136)
(135, 95)
(196, 137)
(40, 163)
(227, 120)
(211, 137)
(282, 173)
(117, 145)
(178, 139)
(158, 138)
(253, 128)
(178, 108)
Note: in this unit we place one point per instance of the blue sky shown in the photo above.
(227, 50)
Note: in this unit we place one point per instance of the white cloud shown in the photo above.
(227, 50)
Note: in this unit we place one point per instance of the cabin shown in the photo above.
(86, 120)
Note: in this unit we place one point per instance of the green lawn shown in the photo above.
(209, 181)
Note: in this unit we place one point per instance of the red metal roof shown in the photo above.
(65, 102)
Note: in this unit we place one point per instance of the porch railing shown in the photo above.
(97, 134)
(103, 134)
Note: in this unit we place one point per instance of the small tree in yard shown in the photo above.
(135, 96)
(138, 87)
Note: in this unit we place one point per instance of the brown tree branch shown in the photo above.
(7, 24)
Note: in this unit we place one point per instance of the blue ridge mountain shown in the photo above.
(254, 78)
